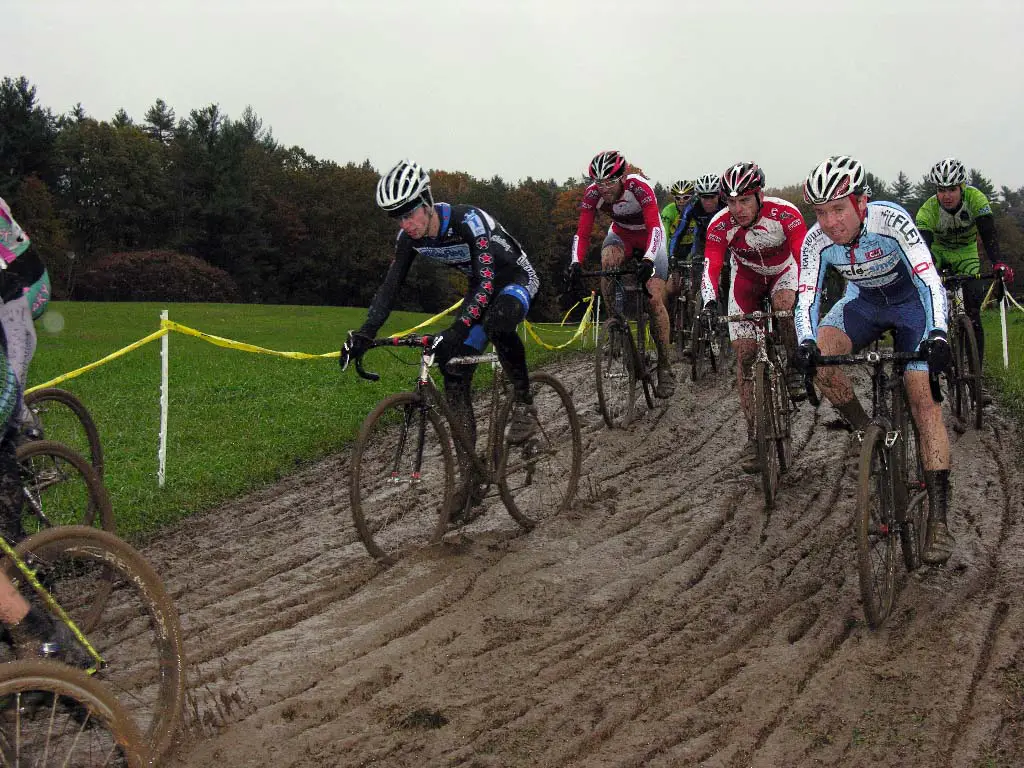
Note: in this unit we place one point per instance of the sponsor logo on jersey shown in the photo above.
(874, 253)
(472, 221)
(501, 241)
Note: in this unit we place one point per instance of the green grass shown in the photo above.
(1009, 381)
(237, 420)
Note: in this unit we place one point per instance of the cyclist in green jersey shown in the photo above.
(950, 222)
(672, 214)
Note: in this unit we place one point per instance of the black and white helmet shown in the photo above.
(708, 184)
(948, 173)
(404, 188)
(837, 177)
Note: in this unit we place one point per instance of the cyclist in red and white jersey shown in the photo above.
(636, 228)
(762, 236)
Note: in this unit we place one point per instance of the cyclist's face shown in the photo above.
(743, 209)
(682, 201)
(949, 197)
(709, 203)
(415, 222)
(841, 219)
(610, 189)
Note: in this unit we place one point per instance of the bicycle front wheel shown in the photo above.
(700, 349)
(682, 325)
(967, 395)
(616, 375)
(402, 477)
(59, 415)
(538, 478)
(61, 488)
(119, 603)
(53, 714)
(877, 534)
(766, 431)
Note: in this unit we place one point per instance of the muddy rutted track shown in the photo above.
(665, 621)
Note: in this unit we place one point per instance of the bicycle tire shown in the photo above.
(615, 373)
(876, 527)
(643, 361)
(702, 355)
(119, 602)
(79, 433)
(765, 432)
(682, 326)
(784, 412)
(909, 483)
(538, 479)
(968, 389)
(80, 722)
(399, 487)
(50, 473)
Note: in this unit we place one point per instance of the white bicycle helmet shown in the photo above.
(404, 188)
(708, 184)
(837, 177)
(948, 173)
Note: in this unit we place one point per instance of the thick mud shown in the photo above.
(666, 620)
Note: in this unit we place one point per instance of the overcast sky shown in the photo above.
(537, 87)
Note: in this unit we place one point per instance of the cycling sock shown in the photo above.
(937, 482)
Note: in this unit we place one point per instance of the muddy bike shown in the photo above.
(705, 346)
(624, 359)
(964, 375)
(54, 715)
(117, 608)
(58, 415)
(892, 503)
(772, 406)
(61, 488)
(682, 308)
(402, 478)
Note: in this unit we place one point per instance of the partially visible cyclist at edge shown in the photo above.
(891, 284)
(697, 215)
(636, 228)
(762, 237)
(950, 222)
(502, 284)
(25, 291)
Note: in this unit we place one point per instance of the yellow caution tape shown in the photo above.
(429, 321)
(585, 324)
(112, 356)
(220, 341)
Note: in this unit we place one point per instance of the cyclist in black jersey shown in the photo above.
(502, 284)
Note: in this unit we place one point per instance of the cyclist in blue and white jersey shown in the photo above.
(892, 283)
(698, 213)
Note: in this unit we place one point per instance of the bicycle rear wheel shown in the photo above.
(117, 600)
(877, 533)
(61, 488)
(911, 496)
(59, 415)
(616, 374)
(53, 714)
(645, 360)
(967, 395)
(538, 479)
(766, 431)
(402, 477)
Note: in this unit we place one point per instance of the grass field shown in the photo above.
(1008, 381)
(237, 420)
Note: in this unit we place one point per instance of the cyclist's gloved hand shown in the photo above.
(452, 344)
(1006, 270)
(711, 308)
(572, 276)
(645, 271)
(803, 357)
(936, 349)
(355, 346)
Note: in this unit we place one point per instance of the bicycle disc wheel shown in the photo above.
(765, 431)
(53, 714)
(615, 374)
(876, 528)
(538, 479)
(968, 389)
(59, 415)
(117, 600)
(402, 477)
(61, 488)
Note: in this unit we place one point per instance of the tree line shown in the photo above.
(284, 226)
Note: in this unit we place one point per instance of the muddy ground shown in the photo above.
(665, 621)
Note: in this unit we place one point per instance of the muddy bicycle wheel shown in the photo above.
(910, 488)
(60, 416)
(119, 602)
(615, 372)
(702, 351)
(967, 364)
(647, 365)
(766, 431)
(53, 714)
(783, 407)
(877, 527)
(538, 478)
(682, 325)
(401, 478)
(61, 488)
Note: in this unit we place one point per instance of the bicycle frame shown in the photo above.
(765, 333)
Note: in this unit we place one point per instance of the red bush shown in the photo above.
(154, 276)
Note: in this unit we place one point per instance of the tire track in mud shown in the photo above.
(668, 620)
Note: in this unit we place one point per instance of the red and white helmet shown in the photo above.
(607, 165)
(835, 178)
(742, 179)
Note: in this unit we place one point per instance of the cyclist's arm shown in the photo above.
(384, 299)
(644, 194)
(987, 230)
(714, 256)
(588, 212)
(484, 266)
(796, 233)
(812, 280)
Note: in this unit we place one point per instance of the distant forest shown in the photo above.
(206, 194)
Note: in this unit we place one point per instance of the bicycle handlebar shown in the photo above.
(424, 341)
(758, 315)
(873, 357)
(954, 279)
(617, 272)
